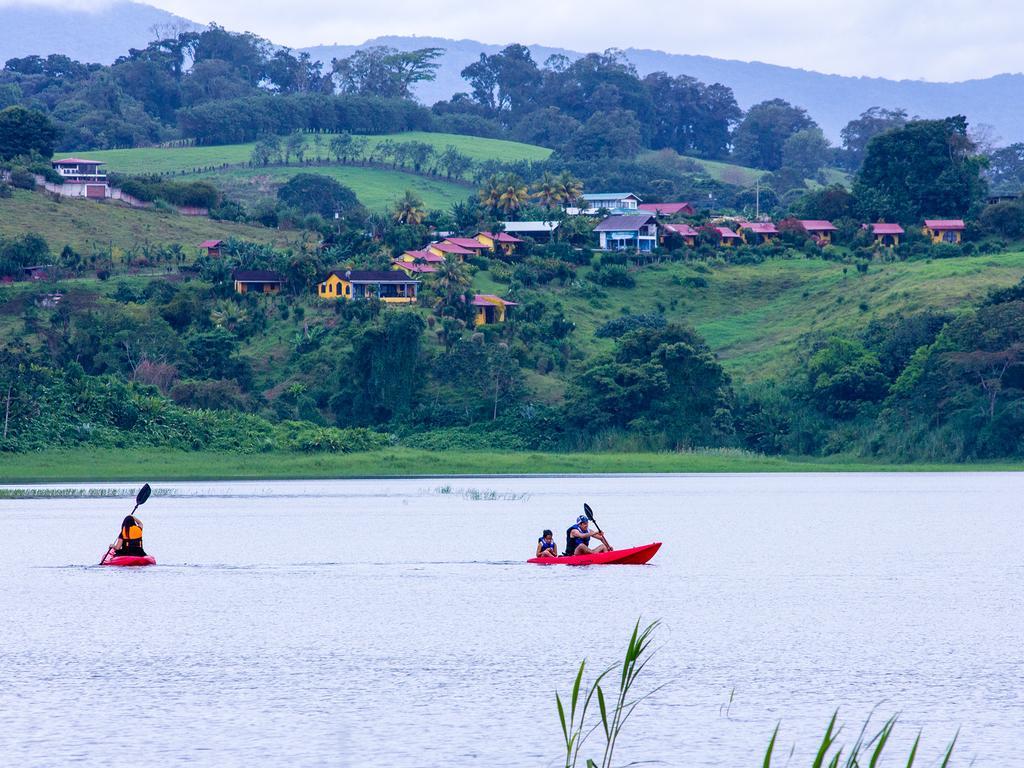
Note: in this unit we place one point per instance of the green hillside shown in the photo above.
(87, 225)
(187, 159)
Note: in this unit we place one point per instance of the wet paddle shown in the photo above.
(590, 516)
(140, 499)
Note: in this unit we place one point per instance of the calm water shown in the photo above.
(385, 623)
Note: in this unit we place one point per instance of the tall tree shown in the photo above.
(872, 122)
(385, 72)
(24, 132)
(759, 139)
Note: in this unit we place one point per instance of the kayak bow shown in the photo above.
(632, 556)
(129, 560)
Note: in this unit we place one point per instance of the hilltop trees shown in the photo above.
(385, 72)
(871, 123)
(314, 193)
(24, 132)
(761, 136)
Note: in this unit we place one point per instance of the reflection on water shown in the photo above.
(393, 623)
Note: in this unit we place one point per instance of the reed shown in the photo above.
(76, 493)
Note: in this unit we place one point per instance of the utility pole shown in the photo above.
(757, 199)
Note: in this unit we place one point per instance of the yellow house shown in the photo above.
(489, 309)
(727, 237)
(445, 249)
(944, 230)
(887, 235)
(501, 240)
(390, 287)
(820, 230)
(257, 281)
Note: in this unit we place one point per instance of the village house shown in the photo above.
(727, 237)
(887, 235)
(469, 243)
(944, 230)
(759, 232)
(637, 232)
(488, 309)
(82, 178)
(413, 267)
(257, 281)
(499, 241)
(212, 247)
(613, 202)
(540, 231)
(685, 231)
(445, 248)
(820, 230)
(390, 287)
(668, 209)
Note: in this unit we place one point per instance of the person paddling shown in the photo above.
(129, 540)
(577, 539)
(546, 545)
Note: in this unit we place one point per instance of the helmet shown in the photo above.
(582, 519)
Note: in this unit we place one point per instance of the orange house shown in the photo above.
(685, 231)
(257, 281)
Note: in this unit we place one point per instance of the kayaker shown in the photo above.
(546, 545)
(577, 539)
(129, 541)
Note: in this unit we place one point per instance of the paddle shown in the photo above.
(590, 516)
(140, 499)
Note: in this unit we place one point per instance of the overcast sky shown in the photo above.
(914, 39)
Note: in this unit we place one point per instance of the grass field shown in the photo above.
(376, 188)
(89, 226)
(754, 316)
(155, 465)
(190, 159)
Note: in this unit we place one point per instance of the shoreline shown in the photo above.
(114, 465)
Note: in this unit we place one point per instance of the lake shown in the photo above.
(394, 622)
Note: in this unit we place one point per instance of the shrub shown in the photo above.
(23, 179)
(614, 276)
(620, 326)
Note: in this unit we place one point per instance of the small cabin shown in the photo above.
(411, 268)
(212, 247)
(488, 309)
(392, 287)
(685, 231)
(758, 232)
(257, 281)
(727, 237)
(496, 241)
(469, 243)
(945, 230)
(887, 235)
(667, 210)
(820, 230)
(446, 249)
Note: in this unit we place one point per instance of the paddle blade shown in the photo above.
(589, 512)
(143, 494)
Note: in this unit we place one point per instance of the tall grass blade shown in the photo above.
(604, 711)
(826, 741)
(949, 752)
(771, 748)
(883, 737)
(913, 751)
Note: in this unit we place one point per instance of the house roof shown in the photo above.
(449, 247)
(598, 196)
(725, 232)
(412, 266)
(487, 299)
(424, 255)
(881, 228)
(665, 209)
(525, 227)
(938, 224)
(681, 229)
(76, 161)
(501, 237)
(624, 223)
(210, 243)
(256, 276)
(759, 227)
(467, 242)
(368, 276)
(818, 225)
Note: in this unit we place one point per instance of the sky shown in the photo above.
(939, 40)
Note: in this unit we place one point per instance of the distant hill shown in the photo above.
(832, 100)
(91, 36)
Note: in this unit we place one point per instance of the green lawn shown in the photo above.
(194, 159)
(754, 316)
(89, 226)
(376, 188)
(154, 465)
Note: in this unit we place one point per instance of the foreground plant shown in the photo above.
(576, 728)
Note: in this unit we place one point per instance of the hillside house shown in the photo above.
(820, 230)
(684, 231)
(257, 281)
(637, 232)
(488, 309)
(390, 287)
(727, 237)
(502, 241)
(469, 243)
(886, 235)
(540, 231)
(758, 232)
(613, 202)
(446, 249)
(668, 210)
(82, 178)
(944, 230)
(413, 267)
(212, 247)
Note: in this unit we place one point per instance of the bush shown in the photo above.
(5, 190)
(614, 276)
(23, 179)
(620, 326)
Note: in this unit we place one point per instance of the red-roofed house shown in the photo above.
(212, 247)
(761, 232)
(444, 249)
(819, 229)
(727, 237)
(495, 240)
(685, 231)
(489, 309)
(413, 267)
(667, 209)
(82, 178)
(469, 243)
(944, 230)
(887, 235)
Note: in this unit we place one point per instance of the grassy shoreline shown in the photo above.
(150, 464)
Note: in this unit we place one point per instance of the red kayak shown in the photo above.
(129, 560)
(632, 556)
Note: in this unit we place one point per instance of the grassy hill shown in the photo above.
(87, 225)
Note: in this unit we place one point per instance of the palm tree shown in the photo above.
(548, 191)
(514, 195)
(451, 279)
(572, 188)
(409, 209)
(490, 193)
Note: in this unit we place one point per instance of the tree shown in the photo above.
(295, 144)
(504, 82)
(548, 191)
(1006, 169)
(928, 167)
(760, 137)
(385, 72)
(454, 163)
(452, 280)
(24, 132)
(266, 151)
(572, 188)
(313, 193)
(860, 131)
(409, 209)
(606, 135)
(691, 117)
(843, 375)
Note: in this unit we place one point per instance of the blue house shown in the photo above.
(637, 232)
